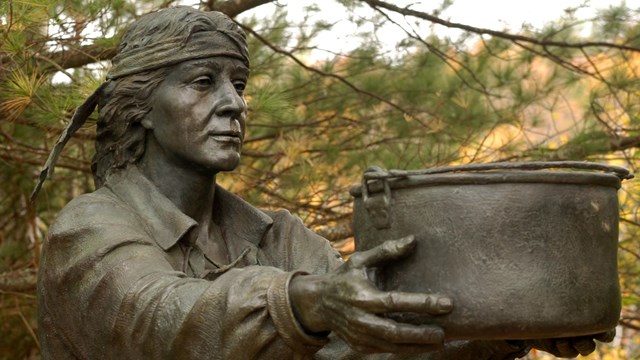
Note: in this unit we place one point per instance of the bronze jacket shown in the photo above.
(120, 280)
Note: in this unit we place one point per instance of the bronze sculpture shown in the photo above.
(511, 243)
(161, 263)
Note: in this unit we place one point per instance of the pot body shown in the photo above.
(523, 255)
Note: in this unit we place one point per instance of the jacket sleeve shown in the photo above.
(291, 246)
(112, 294)
(300, 249)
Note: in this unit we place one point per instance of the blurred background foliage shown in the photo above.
(315, 124)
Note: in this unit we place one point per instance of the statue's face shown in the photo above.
(198, 114)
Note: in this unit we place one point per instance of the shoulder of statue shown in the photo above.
(98, 207)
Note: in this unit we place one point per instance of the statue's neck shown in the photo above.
(191, 190)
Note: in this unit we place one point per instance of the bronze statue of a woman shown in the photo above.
(161, 263)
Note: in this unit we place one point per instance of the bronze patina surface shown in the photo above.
(522, 252)
(161, 263)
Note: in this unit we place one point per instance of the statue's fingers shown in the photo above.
(365, 344)
(585, 346)
(565, 348)
(368, 333)
(397, 301)
(606, 336)
(390, 331)
(347, 329)
(388, 251)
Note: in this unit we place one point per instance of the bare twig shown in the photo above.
(28, 326)
(632, 252)
(628, 221)
(448, 60)
(629, 324)
(20, 160)
(495, 33)
(326, 74)
(56, 66)
(78, 57)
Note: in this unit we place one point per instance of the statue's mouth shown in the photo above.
(227, 136)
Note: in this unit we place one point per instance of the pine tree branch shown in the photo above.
(234, 7)
(498, 34)
(630, 251)
(331, 75)
(625, 143)
(629, 324)
(88, 54)
(579, 150)
(56, 66)
(77, 57)
(448, 60)
(16, 159)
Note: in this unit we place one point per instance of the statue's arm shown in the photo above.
(301, 249)
(106, 286)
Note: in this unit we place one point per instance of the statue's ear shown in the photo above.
(147, 123)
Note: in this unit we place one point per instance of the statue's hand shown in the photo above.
(572, 347)
(347, 303)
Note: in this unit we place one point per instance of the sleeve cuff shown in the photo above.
(285, 321)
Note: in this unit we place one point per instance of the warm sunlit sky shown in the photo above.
(493, 14)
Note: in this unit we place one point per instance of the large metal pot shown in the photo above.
(524, 252)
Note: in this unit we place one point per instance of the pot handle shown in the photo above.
(378, 173)
(378, 206)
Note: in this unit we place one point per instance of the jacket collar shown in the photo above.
(240, 221)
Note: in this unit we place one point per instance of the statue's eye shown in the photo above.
(202, 81)
(239, 86)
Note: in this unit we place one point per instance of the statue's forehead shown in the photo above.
(216, 63)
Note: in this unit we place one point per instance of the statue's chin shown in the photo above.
(228, 164)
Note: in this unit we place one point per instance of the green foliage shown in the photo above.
(614, 21)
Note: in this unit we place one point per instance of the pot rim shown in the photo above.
(490, 177)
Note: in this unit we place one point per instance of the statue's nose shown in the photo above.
(230, 103)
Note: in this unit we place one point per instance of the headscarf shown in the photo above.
(192, 34)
